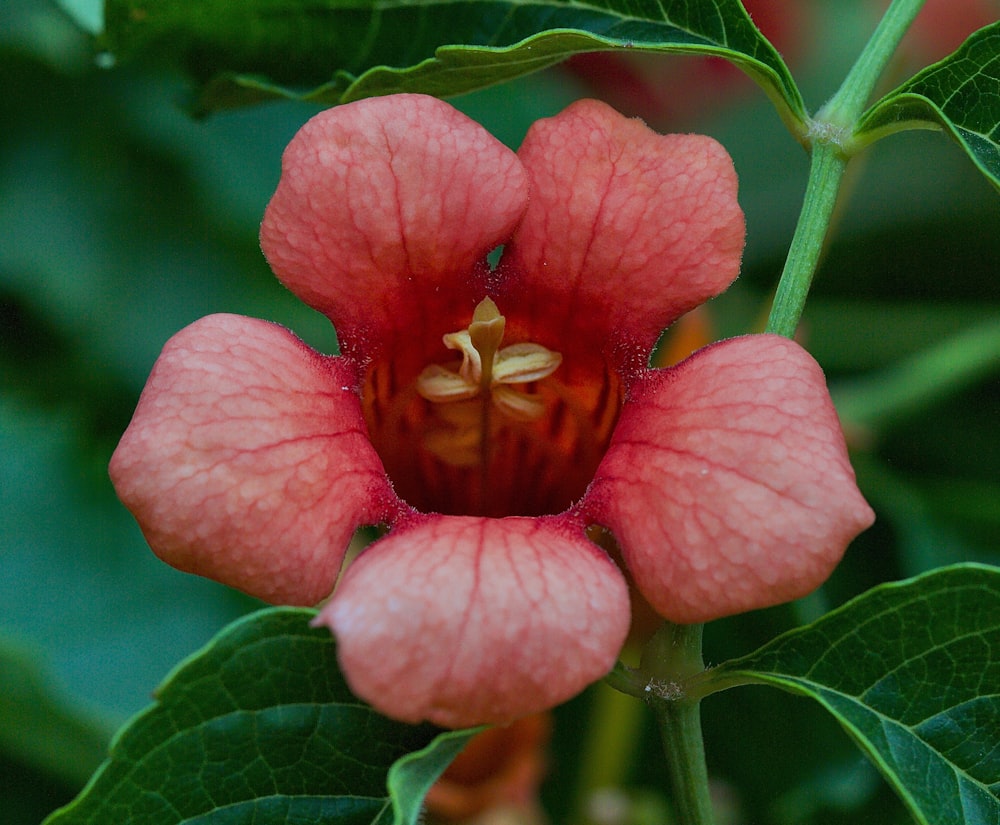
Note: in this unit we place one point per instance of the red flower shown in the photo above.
(488, 434)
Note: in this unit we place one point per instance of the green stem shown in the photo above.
(829, 140)
(680, 730)
(672, 656)
(846, 106)
(825, 175)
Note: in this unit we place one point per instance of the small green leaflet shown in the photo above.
(411, 776)
(340, 50)
(912, 673)
(259, 726)
(960, 94)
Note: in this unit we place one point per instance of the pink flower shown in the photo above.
(488, 435)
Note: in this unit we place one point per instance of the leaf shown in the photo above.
(348, 49)
(109, 628)
(942, 369)
(39, 727)
(960, 94)
(412, 776)
(259, 726)
(912, 672)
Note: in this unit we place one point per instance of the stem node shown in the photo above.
(828, 133)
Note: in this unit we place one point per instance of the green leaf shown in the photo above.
(333, 52)
(960, 94)
(912, 672)
(412, 776)
(940, 370)
(259, 726)
(40, 727)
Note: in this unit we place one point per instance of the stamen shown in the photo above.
(518, 405)
(472, 365)
(486, 371)
(486, 333)
(523, 363)
(439, 384)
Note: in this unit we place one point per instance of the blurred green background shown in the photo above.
(122, 219)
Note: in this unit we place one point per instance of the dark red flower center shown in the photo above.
(513, 428)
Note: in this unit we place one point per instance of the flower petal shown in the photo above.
(626, 229)
(464, 621)
(727, 482)
(384, 201)
(247, 460)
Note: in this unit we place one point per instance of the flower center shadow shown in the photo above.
(506, 430)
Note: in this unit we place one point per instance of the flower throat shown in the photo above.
(493, 432)
(479, 388)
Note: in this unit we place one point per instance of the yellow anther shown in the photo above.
(518, 405)
(440, 384)
(486, 371)
(523, 363)
(472, 365)
(457, 447)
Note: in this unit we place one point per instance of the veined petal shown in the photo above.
(463, 621)
(247, 460)
(384, 208)
(727, 482)
(626, 229)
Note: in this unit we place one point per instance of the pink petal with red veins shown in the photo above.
(727, 482)
(247, 460)
(626, 229)
(382, 203)
(464, 621)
